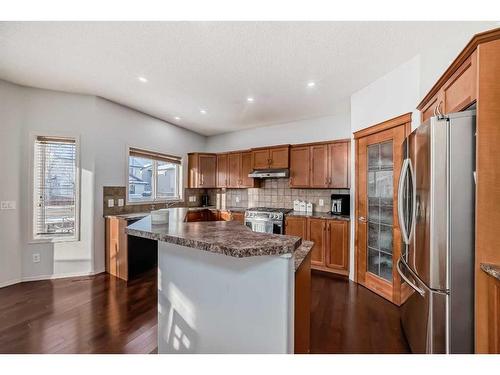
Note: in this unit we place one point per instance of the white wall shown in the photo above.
(105, 130)
(10, 164)
(311, 130)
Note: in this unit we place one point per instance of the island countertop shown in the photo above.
(221, 237)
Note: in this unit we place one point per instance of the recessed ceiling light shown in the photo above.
(250, 99)
(142, 79)
(311, 84)
(177, 118)
(203, 112)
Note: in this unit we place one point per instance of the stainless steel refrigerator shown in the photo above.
(436, 196)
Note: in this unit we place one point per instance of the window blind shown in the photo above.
(155, 156)
(55, 187)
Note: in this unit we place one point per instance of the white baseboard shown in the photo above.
(10, 282)
(49, 277)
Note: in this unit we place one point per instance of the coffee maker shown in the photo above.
(340, 204)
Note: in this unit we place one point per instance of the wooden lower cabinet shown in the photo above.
(127, 256)
(238, 216)
(316, 232)
(116, 248)
(493, 315)
(302, 311)
(331, 241)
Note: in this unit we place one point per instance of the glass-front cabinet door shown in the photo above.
(378, 239)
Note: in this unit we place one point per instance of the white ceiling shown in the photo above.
(216, 65)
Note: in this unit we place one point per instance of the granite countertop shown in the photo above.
(491, 269)
(301, 253)
(319, 215)
(221, 237)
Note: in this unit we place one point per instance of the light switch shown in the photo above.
(111, 202)
(321, 202)
(120, 202)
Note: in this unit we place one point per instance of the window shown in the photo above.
(153, 177)
(55, 189)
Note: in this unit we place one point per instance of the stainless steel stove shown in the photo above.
(266, 219)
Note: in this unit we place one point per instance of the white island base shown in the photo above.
(213, 303)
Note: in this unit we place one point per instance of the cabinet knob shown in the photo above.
(362, 219)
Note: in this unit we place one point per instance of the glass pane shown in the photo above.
(373, 235)
(386, 155)
(373, 261)
(373, 156)
(166, 180)
(380, 180)
(140, 178)
(386, 266)
(386, 214)
(385, 238)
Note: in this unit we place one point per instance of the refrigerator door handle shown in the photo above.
(401, 185)
(401, 273)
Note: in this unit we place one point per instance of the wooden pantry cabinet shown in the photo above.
(202, 170)
(330, 252)
(320, 165)
(270, 157)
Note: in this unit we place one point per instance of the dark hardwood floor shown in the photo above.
(348, 318)
(102, 314)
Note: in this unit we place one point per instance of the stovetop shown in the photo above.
(269, 209)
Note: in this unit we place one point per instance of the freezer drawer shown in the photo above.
(423, 316)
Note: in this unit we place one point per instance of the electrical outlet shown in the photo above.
(237, 199)
(8, 205)
(36, 258)
(321, 203)
(120, 202)
(111, 202)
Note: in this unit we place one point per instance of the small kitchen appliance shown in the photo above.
(340, 204)
(205, 200)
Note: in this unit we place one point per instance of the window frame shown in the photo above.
(33, 238)
(154, 181)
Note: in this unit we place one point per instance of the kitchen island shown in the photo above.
(225, 289)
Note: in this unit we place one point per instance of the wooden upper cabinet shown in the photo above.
(300, 171)
(338, 159)
(430, 108)
(208, 168)
(245, 170)
(316, 232)
(337, 250)
(234, 162)
(270, 158)
(279, 157)
(202, 170)
(319, 166)
(296, 226)
(459, 92)
(455, 91)
(239, 167)
(260, 158)
(222, 171)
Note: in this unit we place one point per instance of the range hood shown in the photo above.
(267, 173)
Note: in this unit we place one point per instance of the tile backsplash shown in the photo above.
(119, 192)
(272, 193)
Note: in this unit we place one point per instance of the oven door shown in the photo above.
(261, 226)
(264, 226)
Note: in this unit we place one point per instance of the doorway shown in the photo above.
(378, 243)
